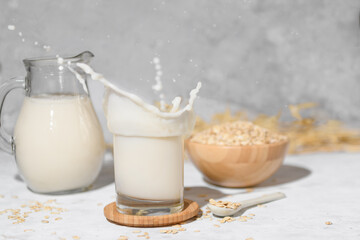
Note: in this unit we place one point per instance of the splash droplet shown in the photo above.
(11, 27)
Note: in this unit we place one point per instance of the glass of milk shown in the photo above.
(148, 147)
(58, 141)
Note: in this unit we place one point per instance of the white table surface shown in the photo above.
(319, 188)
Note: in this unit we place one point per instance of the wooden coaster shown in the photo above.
(190, 210)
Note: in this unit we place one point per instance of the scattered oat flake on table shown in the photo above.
(58, 218)
(15, 196)
(249, 238)
(123, 237)
(145, 235)
(261, 205)
(44, 221)
(196, 230)
(215, 225)
(29, 230)
(227, 219)
(169, 231)
(137, 231)
(244, 218)
(328, 223)
(75, 237)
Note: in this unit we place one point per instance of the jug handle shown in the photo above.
(6, 140)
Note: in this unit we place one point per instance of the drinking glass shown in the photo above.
(148, 151)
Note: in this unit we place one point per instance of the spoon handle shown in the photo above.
(262, 199)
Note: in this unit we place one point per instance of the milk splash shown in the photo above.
(61, 61)
(11, 27)
(174, 112)
(158, 83)
(158, 86)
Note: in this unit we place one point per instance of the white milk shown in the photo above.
(59, 143)
(149, 168)
(148, 143)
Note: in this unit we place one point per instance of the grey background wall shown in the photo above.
(253, 55)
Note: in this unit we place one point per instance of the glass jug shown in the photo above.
(58, 141)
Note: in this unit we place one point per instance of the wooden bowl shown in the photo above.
(237, 166)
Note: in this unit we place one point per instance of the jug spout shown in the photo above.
(84, 57)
